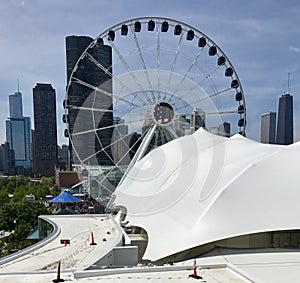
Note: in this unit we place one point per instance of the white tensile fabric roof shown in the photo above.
(202, 188)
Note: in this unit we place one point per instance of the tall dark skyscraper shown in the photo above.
(7, 160)
(285, 127)
(268, 127)
(45, 130)
(89, 144)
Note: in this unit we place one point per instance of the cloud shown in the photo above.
(296, 49)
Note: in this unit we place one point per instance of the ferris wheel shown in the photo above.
(141, 84)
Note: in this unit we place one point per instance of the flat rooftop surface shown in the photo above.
(214, 275)
(79, 254)
(222, 266)
(261, 265)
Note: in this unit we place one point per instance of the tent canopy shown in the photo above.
(205, 188)
(64, 197)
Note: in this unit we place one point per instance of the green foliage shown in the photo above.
(48, 181)
(13, 214)
(20, 233)
(3, 197)
(55, 190)
(19, 215)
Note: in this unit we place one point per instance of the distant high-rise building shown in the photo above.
(18, 134)
(224, 129)
(63, 156)
(182, 125)
(15, 105)
(45, 130)
(197, 120)
(285, 126)
(7, 160)
(121, 128)
(268, 127)
(93, 149)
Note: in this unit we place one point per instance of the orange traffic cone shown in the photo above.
(93, 241)
(195, 275)
(58, 279)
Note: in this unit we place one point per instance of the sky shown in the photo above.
(260, 37)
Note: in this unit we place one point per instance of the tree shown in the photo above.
(4, 198)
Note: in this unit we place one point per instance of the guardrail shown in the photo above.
(34, 247)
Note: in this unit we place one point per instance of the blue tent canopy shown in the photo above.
(65, 197)
(99, 199)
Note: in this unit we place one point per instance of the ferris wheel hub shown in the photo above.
(163, 113)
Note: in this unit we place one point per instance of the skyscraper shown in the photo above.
(15, 105)
(63, 156)
(285, 128)
(268, 127)
(224, 129)
(7, 160)
(182, 125)
(89, 146)
(45, 130)
(198, 118)
(18, 134)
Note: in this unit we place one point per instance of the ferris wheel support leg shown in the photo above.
(140, 152)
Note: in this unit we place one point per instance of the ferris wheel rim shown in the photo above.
(158, 20)
(147, 18)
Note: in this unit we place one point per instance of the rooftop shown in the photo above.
(39, 263)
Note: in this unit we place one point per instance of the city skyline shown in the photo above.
(271, 43)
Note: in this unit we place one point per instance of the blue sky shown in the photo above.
(260, 37)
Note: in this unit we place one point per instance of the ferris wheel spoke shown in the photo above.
(222, 112)
(165, 135)
(107, 127)
(124, 155)
(105, 152)
(104, 187)
(128, 112)
(171, 132)
(158, 56)
(156, 139)
(169, 136)
(115, 78)
(162, 136)
(146, 140)
(203, 98)
(90, 109)
(98, 64)
(143, 62)
(91, 131)
(121, 139)
(209, 75)
(137, 82)
(103, 149)
(187, 73)
(81, 82)
(158, 52)
(174, 62)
